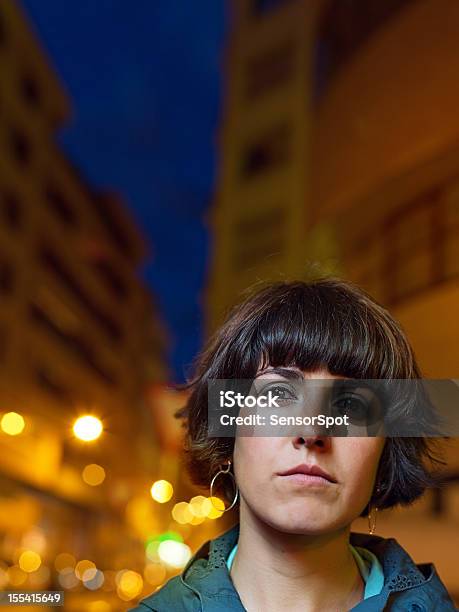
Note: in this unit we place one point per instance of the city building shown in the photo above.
(339, 154)
(79, 335)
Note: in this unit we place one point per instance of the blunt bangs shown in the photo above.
(314, 325)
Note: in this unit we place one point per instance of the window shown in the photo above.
(261, 7)
(102, 206)
(268, 152)
(6, 277)
(2, 31)
(110, 277)
(20, 147)
(343, 28)
(3, 342)
(75, 343)
(48, 383)
(11, 210)
(269, 70)
(57, 267)
(59, 205)
(30, 90)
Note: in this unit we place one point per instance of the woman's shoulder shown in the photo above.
(406, 582)
(171, 596)
(204, 577)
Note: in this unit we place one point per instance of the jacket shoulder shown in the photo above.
(174, 595)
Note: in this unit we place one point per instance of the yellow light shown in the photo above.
(29, 561)
(154, 573)
(93, 474)
(161, 491)
(175, 554)
(200, 506)
(130, 584)
(217, 508)
(87, 428)
(181, 513)
(12, 423)
(85, 568)
(64, 561)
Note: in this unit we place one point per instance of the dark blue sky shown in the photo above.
(145, 81)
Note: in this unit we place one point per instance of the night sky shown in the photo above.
(145, 80)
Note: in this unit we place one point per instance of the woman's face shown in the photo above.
(295, 502)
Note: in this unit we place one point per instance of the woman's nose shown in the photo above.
(318, 443)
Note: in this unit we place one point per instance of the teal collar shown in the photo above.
(368, 564)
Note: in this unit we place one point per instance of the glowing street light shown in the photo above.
(87, 428)
(12, 423)
(29, 561)
(161, 491)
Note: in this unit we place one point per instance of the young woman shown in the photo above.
(293, 548)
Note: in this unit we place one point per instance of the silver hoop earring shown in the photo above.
(372, 515)
(224, 471)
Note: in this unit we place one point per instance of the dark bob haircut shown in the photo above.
(325, 322)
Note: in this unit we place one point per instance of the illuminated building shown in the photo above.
(79, 332)
(339, 154)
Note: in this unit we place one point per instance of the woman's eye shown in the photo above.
(282, 392)
(354, 407)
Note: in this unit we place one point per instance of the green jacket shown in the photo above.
(205, 584)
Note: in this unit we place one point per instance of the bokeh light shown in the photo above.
(181, 513)
(175, 554)
(93, 474)
(200, 506)
(29, 561)
(93, 581)
(161, 491)
(85, 568)
(87, 428)
(130, 584)
(12, 423)
(217, 508)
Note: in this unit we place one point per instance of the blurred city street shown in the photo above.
(157, 160)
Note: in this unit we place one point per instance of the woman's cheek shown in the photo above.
(252, 461)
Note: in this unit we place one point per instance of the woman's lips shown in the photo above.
(311, 475)
(307, 480)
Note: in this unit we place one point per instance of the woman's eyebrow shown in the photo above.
(288, 373)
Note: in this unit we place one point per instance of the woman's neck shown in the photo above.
(274, 571)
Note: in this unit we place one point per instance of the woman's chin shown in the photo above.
(302, 524)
